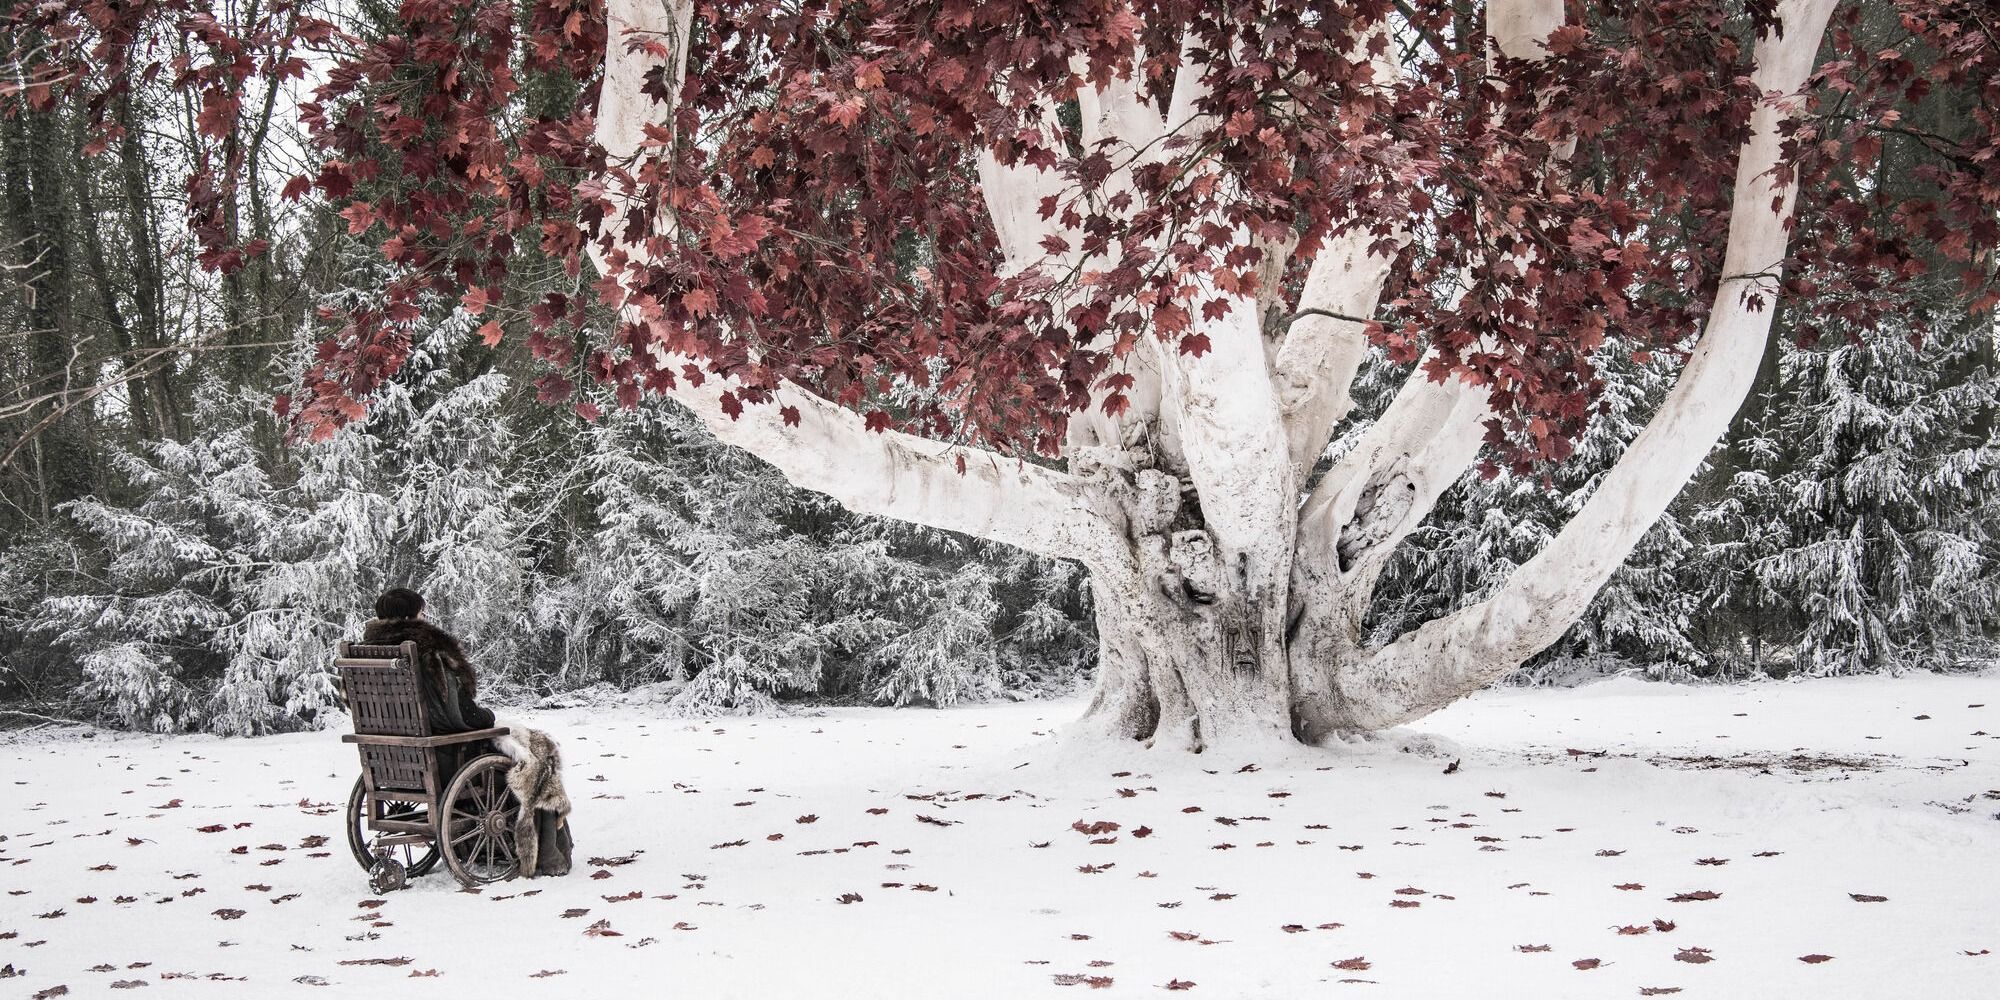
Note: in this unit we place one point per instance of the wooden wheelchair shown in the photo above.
(421, 797)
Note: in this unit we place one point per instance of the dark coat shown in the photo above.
(443, 672)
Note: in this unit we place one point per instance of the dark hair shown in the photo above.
(401, 602)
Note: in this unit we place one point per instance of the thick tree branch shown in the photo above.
(1013, 196)
(1326, 343)
(1324, 346)
(1117, 120)
(902, 476)
(1376, 494)
(1431, 432)
(1226, 410)
(1452, 656)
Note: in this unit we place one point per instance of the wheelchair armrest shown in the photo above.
(426, 741)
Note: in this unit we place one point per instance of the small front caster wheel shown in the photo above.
(387, 874)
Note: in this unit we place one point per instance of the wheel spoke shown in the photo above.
(467, 835)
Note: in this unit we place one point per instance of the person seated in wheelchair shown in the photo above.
(444, 672)
(449, 688)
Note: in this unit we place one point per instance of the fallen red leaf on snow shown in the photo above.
(1079, 979)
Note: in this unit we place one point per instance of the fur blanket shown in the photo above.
(541, 835)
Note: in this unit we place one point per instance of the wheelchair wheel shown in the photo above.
(416, 859)
(477, 831)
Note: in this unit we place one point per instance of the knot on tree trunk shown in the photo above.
(1377, 513)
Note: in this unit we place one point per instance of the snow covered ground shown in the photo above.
(1617, 840)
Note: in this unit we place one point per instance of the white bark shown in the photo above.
(1320, 354)
(909, 478)
(1448, 658)
(1519, 28)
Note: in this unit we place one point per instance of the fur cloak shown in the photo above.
(444, 672)
(541, 835)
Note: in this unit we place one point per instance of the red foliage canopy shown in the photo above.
(828, 228)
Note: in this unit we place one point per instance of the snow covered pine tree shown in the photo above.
(1153, 241)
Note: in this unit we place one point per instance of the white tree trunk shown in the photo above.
(1229, 611)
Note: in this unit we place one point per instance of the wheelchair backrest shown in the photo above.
(380, 685)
